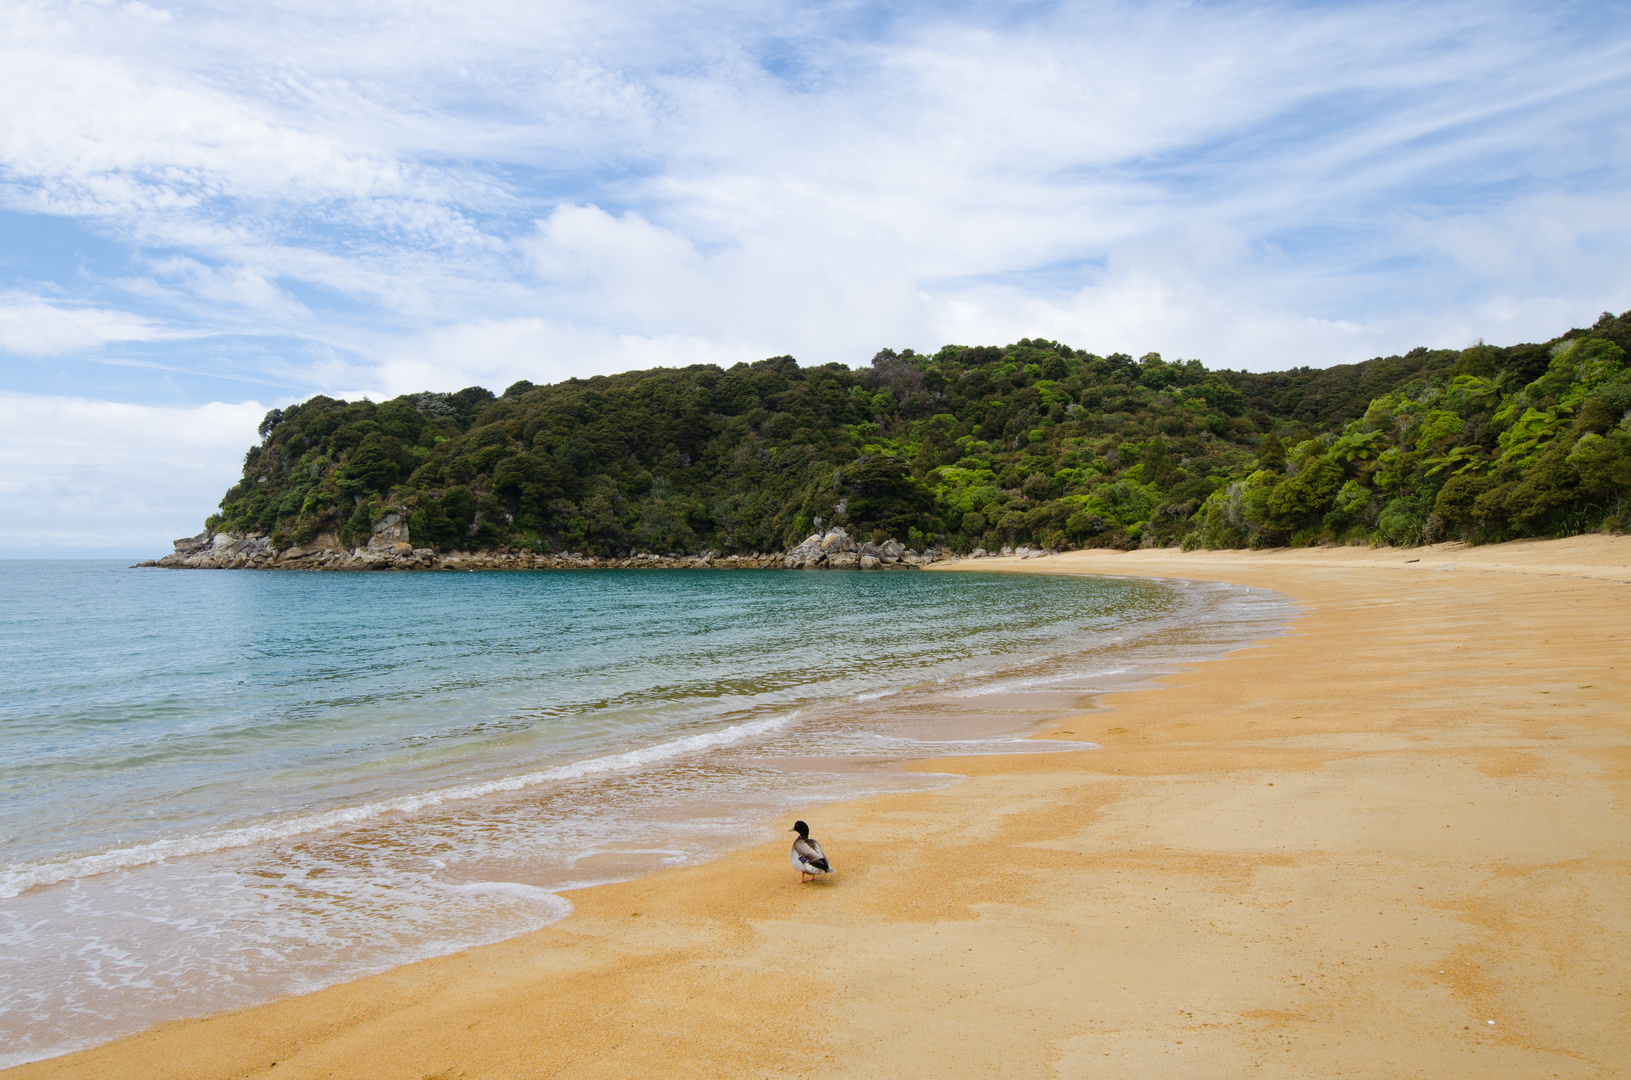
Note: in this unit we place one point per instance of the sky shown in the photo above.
(208, 210)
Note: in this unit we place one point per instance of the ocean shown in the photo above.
(220, 787)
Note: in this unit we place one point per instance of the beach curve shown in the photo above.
(1342, 852)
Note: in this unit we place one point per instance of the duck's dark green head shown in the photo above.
(802, 829)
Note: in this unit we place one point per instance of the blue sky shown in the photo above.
(211, 209)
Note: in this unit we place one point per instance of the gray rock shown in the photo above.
(837, 539)
(869, 562)
(191, 545)
(810, 548)
(389, 531)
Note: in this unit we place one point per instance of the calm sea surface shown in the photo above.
(218, 787)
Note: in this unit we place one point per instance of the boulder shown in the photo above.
(809, 549)
(191, 545)
(869, 562)
(837, 540)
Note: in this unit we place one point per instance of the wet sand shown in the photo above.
(1339, 853)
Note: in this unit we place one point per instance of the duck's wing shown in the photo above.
(809, 853)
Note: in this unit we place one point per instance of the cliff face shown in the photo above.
(390, 548)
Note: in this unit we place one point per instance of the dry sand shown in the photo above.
(1340, 853)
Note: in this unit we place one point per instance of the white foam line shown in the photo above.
(1051, 682)
(558, 906)
(860, 698)
(16, 879)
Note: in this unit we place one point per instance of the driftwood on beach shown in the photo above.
(389, 548)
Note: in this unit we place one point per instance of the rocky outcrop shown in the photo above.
(390, 548)
(837, 550)
(223, 551)
(819, 549)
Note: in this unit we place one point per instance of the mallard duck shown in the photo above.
(807, 857)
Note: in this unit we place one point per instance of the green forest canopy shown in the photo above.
(1032, 442)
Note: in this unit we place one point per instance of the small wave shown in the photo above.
(874, 696)
(17, 879)
(1053, 682)
(558, 906)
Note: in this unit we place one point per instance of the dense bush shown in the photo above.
(1032, 442)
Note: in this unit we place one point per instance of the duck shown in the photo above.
(807, 857)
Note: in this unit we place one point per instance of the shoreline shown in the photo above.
(1330, 854)
(389, 549)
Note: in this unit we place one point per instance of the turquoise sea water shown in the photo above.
(218, 787)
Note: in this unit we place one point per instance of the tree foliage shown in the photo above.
(1031, 442)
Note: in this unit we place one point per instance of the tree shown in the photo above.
(1271, 453)
(377, 462)
(886, 496)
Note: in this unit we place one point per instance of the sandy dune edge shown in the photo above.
(1340, 853)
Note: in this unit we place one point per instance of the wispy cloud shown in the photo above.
(35, 326)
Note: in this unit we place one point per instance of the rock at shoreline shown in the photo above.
(389, 548)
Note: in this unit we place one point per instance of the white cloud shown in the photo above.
(366, 152)
(34, 326)
(235, 286)
(84, 474)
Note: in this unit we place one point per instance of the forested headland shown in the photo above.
(1035, 442)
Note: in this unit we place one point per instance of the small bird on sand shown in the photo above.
(807, 857)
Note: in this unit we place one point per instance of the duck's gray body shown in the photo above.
(807, 856)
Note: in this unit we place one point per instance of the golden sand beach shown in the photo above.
(1394, 842)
